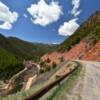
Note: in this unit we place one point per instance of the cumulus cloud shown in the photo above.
(68, 28)
(6, 25)
(75, 11)
(43, 13)
(7, 17)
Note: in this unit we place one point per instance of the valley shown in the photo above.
(68, 71)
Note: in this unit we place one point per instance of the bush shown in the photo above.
(48, 60)
(54, 64)
(62, 59)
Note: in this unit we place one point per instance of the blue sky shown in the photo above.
(56, 22)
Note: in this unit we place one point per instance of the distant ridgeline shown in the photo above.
(13, 51)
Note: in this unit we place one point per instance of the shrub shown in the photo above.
(54, 64)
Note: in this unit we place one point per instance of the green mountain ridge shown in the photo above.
(24, 49)
(28, 50)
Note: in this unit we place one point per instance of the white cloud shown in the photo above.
(76, 5)
(6, 25)
(56, 43)
(43, 13)
(68, 28)
(7, 17)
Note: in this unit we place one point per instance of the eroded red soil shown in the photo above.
(82, 51)
(93, 54)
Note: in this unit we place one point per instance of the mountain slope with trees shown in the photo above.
(9, 64)
(28, 50)
(86, 37)
(90, 28)
(13, 51)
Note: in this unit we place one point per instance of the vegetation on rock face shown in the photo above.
(90, 28)
(60, 91)
(46, 66)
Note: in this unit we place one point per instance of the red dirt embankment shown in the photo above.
(54, 57)
(93, 54)
(82, 51)
(76, 52)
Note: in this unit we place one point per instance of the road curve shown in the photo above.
(88, 87)
(91, 83)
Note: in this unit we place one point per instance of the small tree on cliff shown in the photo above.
(62, 59)
(54, 64)
(48, 60)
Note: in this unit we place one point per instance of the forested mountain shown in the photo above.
(84, 44)
(90, 29)
(24, 49)
(28, 50)
(13, 51)
(9, 64)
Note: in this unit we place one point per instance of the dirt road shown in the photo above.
(88, 86)
(91, 88)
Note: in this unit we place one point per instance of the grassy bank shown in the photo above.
(60, 88)
(21, 95)
(59, 92)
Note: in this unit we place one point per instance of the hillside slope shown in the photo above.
(24, 49)
(81, 42)
(85, 87)
(13, 51)
(90, 28)
(9, 64)
(28, 50)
